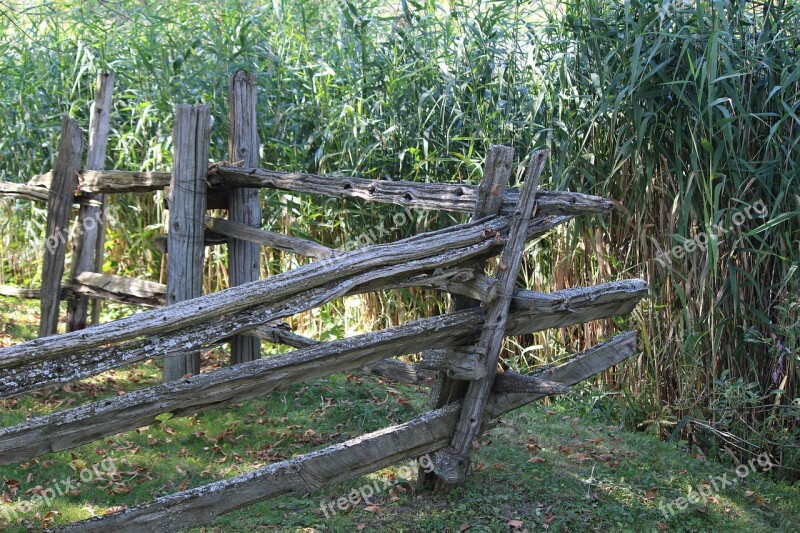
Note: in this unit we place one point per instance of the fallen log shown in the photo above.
(341, 462)
(73, 427)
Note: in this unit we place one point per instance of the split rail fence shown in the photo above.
(459, 350)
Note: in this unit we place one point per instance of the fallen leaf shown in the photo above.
(464, 527)
(516, 524)
(748, 493)
(650, 494)
(361, 527)
(536, 460)
(759, 501)
(372, 508)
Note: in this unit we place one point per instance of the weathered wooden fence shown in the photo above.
(460, 350)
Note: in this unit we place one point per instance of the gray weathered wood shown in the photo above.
(513, 382)
(111, 181)
(491, 342)
(28, 192)
(281, 333)
(414, 255)
(244, 257)
(444, 196)
(119, 289)
(190, 145)
(414, 195)
(210, 238)
(27, 376)
(337, 463)
(91, 218)
(17, 292)
(496, 174)
(589, 303)
(459, 363)
(73, 427)
(403, 372)
(59, 206)
(278, 241)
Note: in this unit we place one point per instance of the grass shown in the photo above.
(565, 466)
(685, 113)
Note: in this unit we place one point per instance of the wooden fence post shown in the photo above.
(59, 207)
(244, 258)
(451, 462)
(496, 174)
(91, 217)
(190, 144)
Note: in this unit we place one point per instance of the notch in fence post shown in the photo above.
(91, 216)
(496, 174)
(59, 207)
(187, 208)
(244, 258)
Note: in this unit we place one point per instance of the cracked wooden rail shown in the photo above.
(86, 423)
(414, 255)
(411, 194)
(334, 464)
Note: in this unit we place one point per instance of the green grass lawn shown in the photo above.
(560, 467)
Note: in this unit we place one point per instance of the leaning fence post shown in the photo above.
(450, 462)
(59, 206)
(496, 173)
(187, 207)
(244, 258)
(91, 216)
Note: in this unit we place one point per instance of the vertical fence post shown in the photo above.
(59, 206)
(91, 217)
(496, 173)
(244, 258)
(187, 206)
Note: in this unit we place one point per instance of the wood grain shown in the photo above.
(244, 208)
(59, 207)
(190, 144)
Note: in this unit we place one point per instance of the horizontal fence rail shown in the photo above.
(340, 462)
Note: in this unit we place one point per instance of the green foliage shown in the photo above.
(686, 113)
